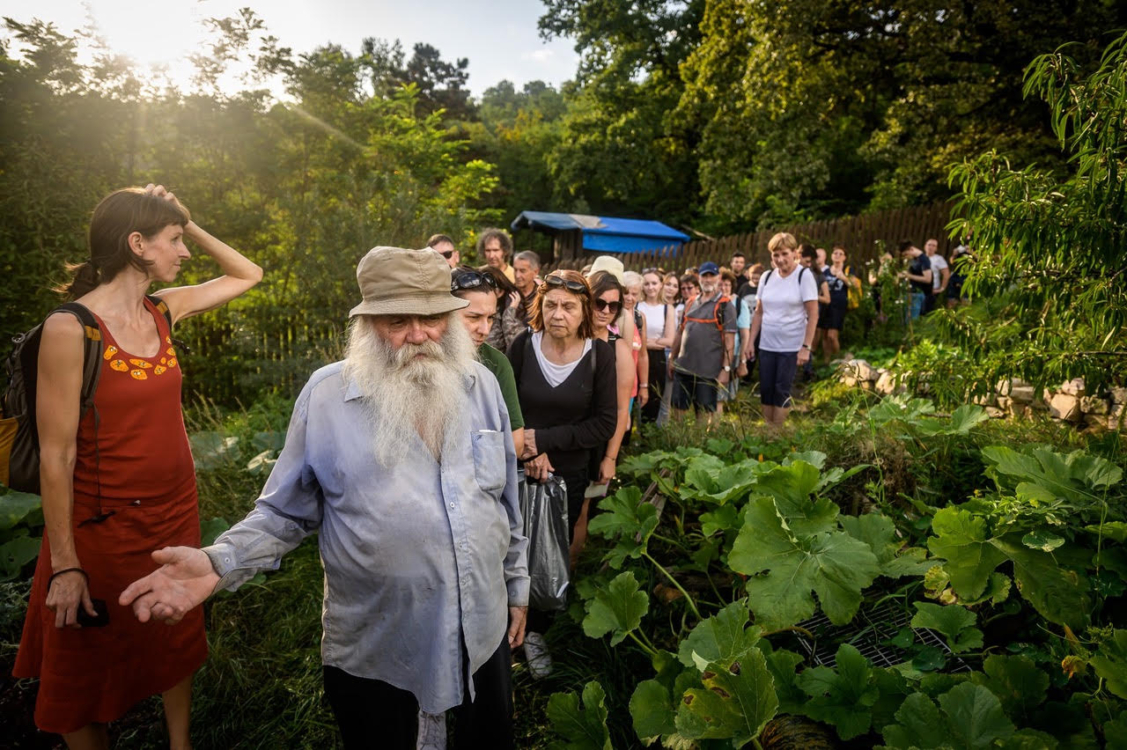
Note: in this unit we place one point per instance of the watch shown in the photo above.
(727, 368)
(806, 347)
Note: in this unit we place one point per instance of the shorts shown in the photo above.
(693, 390)
(832, 317)
(776, 377)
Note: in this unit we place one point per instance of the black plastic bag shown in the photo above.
(544, 508)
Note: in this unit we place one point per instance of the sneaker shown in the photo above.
(432, 731)
(537, 656)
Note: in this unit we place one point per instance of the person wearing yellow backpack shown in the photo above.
(842, 284)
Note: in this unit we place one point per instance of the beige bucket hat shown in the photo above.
(613, 266)
(396, 281)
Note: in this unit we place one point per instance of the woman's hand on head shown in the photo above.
(160, 191)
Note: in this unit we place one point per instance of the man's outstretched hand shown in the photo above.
(184, 580)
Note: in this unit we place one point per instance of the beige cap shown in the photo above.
(395, 281)
(613, 266)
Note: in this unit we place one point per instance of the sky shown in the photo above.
(500, 37)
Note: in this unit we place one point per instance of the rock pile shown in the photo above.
(1068, 402)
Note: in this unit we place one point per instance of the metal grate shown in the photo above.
(868, 633)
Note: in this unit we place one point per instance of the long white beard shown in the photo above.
(404, 393)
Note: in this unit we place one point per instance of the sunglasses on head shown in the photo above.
(601, 305)
(558, 281)
(471, 280)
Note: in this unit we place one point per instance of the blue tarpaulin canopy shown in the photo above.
(605, 234)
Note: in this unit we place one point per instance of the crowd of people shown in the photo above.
(459, 386)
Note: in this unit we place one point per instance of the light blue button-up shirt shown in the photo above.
(421, 562)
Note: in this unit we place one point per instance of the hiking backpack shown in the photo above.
(19, 433)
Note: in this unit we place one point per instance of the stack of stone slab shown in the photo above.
(1068, 402)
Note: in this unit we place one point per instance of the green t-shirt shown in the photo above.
(499, 365)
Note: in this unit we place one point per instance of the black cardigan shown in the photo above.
(576, 416)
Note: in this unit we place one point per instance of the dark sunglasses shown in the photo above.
(601, 305)
(471, 280)
(572, 286)
(448, 254)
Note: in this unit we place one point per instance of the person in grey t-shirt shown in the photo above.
(703, 356)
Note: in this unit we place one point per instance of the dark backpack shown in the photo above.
(19, 433)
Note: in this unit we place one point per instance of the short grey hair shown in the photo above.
(528, 255)
(632, 279)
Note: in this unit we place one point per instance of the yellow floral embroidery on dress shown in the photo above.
(170, 352)
(167, 340)
(119, 365)
(140, 363)
(172, 362)
(109, 352)
(139, 375)
(158, 370)
(164, 360)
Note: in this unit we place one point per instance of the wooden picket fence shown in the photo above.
(864, 238)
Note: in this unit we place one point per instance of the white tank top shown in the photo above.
(655, 320)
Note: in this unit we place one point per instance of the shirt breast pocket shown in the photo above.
(489, 459)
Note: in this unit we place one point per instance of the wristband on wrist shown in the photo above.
(64, 571)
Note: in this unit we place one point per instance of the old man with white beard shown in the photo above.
(400, 457)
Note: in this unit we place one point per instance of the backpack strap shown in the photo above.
(91, 352)
(162, 308)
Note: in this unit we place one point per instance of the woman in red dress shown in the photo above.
(118, 482)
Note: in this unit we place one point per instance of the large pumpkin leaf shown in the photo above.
(1019, 683)
(962, 539)
(617, 609)
(975, 716)
(652, 711)
(1078, 477)
(791, 487)
(582, 728)
(718, 485)
(15, 506)
(1059, 594)
(843, 697)
(879, 532)
(626, 517)
(16, 553)
(782, 665)
(735, 703)
(954, 622)
(722, 638)
(972, 718)
(1110, 662)
(833, 565)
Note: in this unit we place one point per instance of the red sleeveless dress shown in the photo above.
(140, 482)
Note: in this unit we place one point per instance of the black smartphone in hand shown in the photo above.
(99, 619)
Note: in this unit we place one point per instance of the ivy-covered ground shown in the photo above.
(880, 575)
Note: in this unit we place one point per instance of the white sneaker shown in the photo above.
(537, 656)
(432, 731)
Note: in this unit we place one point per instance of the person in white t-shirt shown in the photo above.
(940, 274)
(786, 314)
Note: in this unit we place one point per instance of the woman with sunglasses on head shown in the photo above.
(507, 324)
(476, 288)
(566, 382)
(660, 326)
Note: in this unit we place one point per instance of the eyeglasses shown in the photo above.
(601, 305)
(448, 254)
(471, 280)
(572, 286)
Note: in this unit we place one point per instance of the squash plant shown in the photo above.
(746, 548)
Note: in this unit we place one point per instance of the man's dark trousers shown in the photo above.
(374, 714)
